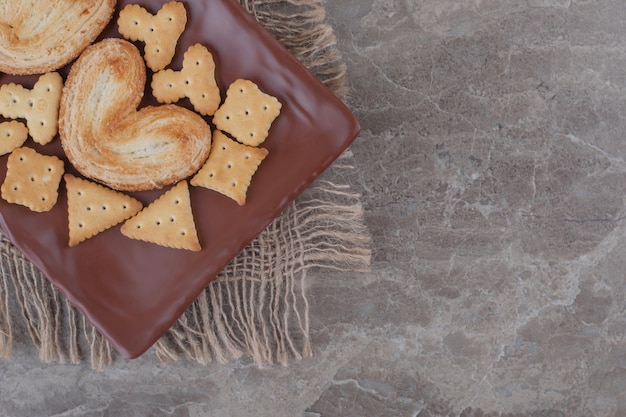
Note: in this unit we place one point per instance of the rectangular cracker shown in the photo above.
(32, 179)
(230, 167)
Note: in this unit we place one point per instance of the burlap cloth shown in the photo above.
(257, 307)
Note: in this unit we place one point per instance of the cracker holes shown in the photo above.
(32, 178)
(183, 232)
(15, 188)
(8, 134)
(80, 225)
(233, 184)
(88, 208)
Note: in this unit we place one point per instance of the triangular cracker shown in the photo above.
(168, 221)
(230, 167)
(32, 179)
(247, 113)
(93, 208)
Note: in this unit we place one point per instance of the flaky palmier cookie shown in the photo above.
(42, 36)
(108, 140)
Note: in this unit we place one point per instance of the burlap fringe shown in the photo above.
(257, 307)
(300, 26)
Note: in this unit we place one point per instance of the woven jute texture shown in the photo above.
(257, 307)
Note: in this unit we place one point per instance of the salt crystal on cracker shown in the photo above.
(168, 221)
(32, 179)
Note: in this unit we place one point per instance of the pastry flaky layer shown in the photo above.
(108, 140)
(40, 36)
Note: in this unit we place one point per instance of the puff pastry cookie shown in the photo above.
(41, 36)
(108, 140)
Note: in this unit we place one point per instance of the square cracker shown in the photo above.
(230, 168)
(94, 208)
(168, 221)
(32, 179)
(247, 113)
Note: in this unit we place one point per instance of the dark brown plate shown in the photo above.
(134, 291)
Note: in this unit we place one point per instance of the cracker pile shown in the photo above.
(241, 124)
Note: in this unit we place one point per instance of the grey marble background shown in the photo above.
(493, 173)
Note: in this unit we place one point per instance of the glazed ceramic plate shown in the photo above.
(134, 291)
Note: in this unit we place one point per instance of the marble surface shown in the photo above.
(492, 165)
